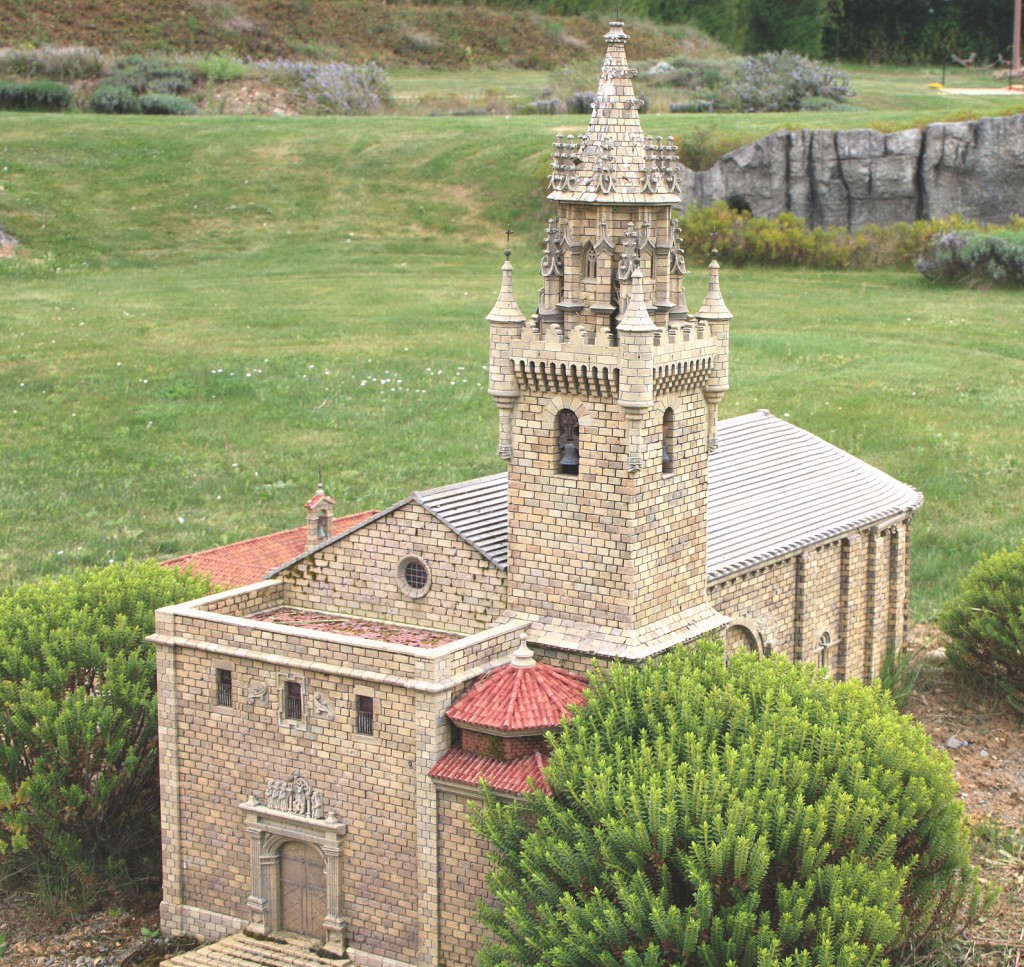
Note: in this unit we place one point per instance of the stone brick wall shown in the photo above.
(463, 880)
(358, 575)
(226, 755)
(853, 589)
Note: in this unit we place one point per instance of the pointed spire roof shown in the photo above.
(613, 161)
(636, 318)
(714, 308)
(506, 309)
(523, 696)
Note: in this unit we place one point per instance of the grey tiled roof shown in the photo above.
(477, 510)
(772, 489)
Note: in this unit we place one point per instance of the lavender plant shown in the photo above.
(53, 63)
(776, 81)
(330, 88)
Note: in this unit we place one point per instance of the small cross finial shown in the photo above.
(508, 240)
(714, 239)
(320, 477)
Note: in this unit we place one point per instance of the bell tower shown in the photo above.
(608, 398)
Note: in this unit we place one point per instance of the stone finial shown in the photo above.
(523, 658)
(506, 309)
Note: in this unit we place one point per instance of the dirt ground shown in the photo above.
(984, 739)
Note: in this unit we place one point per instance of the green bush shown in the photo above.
(786, 239)
(152, 75)
(166, 104)
(985, 625)
(220, 67)
(753, 814)
(35, 96)
(78, 764)
(54, 63)
(995, 258)
(113, 98)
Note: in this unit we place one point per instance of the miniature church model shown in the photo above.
(324, 732)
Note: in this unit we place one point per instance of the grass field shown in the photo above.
(204, 310)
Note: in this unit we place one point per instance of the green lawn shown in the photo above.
(204, 310)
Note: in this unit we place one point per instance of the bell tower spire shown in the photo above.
(606, 396)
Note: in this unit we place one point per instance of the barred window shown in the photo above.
(364, 714)
(293, 700)
(223, 686)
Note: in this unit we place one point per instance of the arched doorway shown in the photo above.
(303, 889)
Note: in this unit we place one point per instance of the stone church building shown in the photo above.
(324, 731)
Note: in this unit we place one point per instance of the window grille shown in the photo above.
(293, 700)
(223, 686)
(416, 575)
(364, 714)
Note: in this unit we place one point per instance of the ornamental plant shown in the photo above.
(79, 800)
(750, 814)
(985, 625)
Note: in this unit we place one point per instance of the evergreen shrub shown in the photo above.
(751, 814)
(985, 625)
(166, 104)
(113, 98)
(35, 96)
(995, 258)
(78, 764)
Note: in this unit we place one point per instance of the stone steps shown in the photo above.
(239, 950)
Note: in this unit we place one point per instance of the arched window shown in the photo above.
(668, 441)
(323, 526)
(568, 426)
(823, 651)
(589, 262)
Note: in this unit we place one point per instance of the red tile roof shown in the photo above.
(246, 562)
(522, 696)
(512, 775)
(341, 624)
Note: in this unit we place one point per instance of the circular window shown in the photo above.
(413, 576)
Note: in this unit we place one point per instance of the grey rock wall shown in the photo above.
(863, 177)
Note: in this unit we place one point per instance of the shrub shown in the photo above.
(985, 625)
(786, 239)
(152, 75)
(113, 98)
(78, 764)
(35, 96)
(220, 67)
(781, 81)
(333, 88)
(750, 814)
(166, 104)
(996, 258)
(55, 63)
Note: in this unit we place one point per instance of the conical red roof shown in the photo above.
(522, 696)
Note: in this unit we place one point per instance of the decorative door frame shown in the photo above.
(269, 829)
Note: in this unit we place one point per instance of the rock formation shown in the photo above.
(856, 178)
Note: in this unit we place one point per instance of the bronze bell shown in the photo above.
(570, 462)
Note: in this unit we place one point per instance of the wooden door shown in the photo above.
(303, 889)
